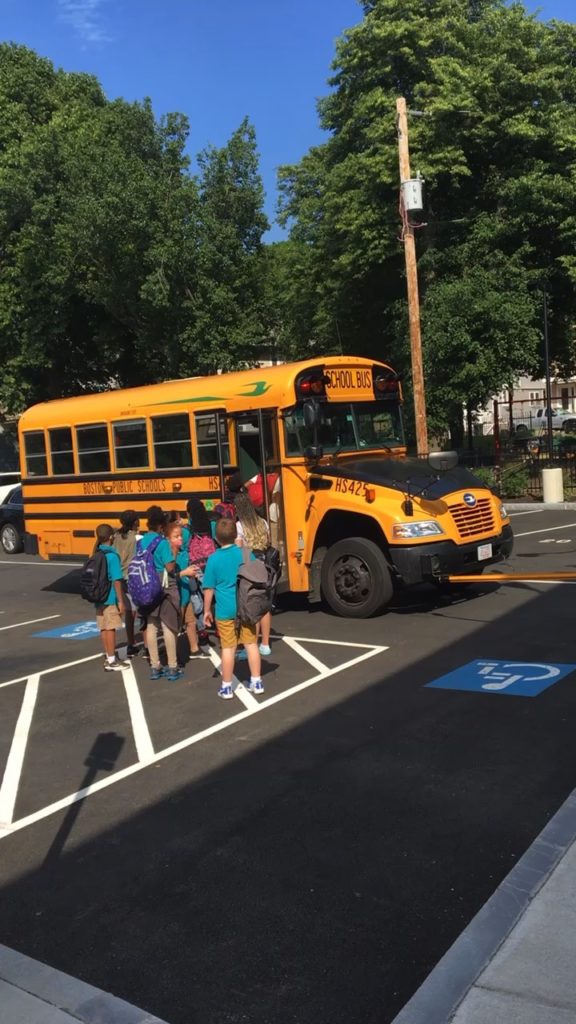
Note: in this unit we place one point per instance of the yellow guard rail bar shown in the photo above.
(510, 577)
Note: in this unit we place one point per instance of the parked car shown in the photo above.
(537, 419)
(12, 522)
(8, 480)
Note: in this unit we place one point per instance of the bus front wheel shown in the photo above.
(356, 580)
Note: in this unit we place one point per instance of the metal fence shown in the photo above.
(518, 474)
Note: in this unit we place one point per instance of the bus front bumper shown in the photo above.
(433, 562)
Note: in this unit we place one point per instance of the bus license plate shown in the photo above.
(484, 552)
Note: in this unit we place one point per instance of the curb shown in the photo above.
(437, 999)
(540, 506)
(82, 1002)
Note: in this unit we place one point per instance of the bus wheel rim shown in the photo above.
(352, 579)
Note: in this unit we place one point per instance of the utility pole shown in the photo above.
(547, 372)
(412, 286)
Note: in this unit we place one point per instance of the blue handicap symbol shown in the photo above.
(510, 678)
(76, 631)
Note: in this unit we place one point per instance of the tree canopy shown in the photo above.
(491, 90)
(118, 265)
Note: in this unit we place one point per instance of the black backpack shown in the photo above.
(273, 563)
(94, 582)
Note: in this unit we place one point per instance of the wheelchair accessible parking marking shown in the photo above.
(510, 678)
(76, 631)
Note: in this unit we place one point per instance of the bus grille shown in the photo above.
(472, 521)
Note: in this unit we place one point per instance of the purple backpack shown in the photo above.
(144, 584)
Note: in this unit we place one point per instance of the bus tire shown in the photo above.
(356, 581)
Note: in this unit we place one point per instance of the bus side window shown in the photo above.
(61, 451)
(131, 444)
(35, 448)
(93, 448)
(206, 441)
(172, 441)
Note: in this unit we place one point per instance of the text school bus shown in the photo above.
(352, 515)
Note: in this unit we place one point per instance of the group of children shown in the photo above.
(198, 563)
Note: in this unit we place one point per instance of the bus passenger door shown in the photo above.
(259, 456)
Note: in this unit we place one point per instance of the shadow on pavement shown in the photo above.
(317, 876)
(67, 584)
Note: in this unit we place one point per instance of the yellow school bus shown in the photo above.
(352, 515)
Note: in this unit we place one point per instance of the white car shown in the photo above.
(537, 419)
(7, 482)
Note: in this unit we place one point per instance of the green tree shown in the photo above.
(118, 266)
(226, 328)
(494, 134)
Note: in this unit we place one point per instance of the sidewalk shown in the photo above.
(515, 962)
(33, 993)
(531, 978)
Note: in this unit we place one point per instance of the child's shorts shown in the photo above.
(230, 638)
(108, 617)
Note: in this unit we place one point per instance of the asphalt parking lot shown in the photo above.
(308, 855)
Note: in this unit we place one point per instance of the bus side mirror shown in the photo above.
(442, 462)
(310, 412)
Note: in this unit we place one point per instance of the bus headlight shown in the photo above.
(427, 528)
(503, 512)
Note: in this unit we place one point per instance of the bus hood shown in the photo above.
(409, 476)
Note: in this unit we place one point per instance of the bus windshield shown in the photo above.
(346, 427)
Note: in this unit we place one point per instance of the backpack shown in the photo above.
(200, 548)
(144, 583)
(94, 582)
(225, 510)
(253, 596)
(273, 563)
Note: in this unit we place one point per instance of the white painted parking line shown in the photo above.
(54, 565)
(549, 529)
(318, 665)
(142, 738)
(30, 622)
(240, 690)
(55, 668)
(530, 512)
(13, 770)
(368, 651)
(244, 695)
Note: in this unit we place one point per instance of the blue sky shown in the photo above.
(215, 60)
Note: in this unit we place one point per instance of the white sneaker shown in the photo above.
(115, 666)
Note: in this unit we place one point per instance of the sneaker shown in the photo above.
(241, 655)
(265, 650)
(115, 666)
(226, 692)
(173, 674)
(156, 673)
(199, 654)
(256, 686)
(131, 651)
